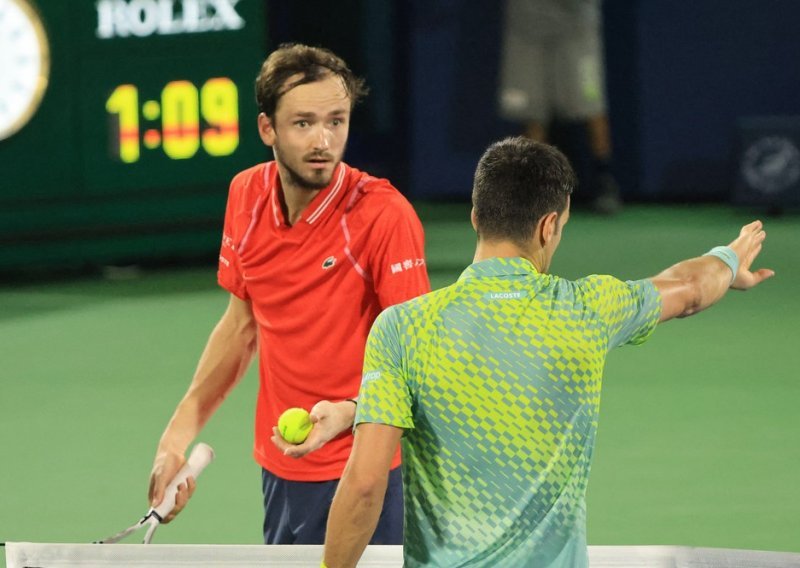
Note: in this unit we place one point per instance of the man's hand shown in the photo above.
(165, 467)
(329, 418)
(747, 246)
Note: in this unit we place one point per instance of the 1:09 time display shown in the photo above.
(189, 118)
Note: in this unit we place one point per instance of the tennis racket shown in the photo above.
(201, 456)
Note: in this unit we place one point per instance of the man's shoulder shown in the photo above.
(589, 288)
(250, 181)
(600, 283)
(377, 197)
(593, 281)
(605, 292)
(420, 309)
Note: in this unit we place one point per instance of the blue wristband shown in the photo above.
(726, 255)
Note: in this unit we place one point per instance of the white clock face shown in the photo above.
(24, 64)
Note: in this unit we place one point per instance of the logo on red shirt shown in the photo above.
(407, 264)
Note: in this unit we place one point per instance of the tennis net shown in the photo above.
(51, 555)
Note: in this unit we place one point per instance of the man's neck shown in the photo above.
(295, 200)
(506, 249)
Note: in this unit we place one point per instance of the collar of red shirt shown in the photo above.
(323, 201)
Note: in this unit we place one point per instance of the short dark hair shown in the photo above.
(517, 182)
(313, 63)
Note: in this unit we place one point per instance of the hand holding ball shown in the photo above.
(294, 425)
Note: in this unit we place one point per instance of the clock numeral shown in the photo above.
(180, 120)
(124, 102)
(182, 110)
(219, 105)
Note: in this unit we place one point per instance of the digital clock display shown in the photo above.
(180, 111)
(146, 96)
(182, 121)
(124, 122)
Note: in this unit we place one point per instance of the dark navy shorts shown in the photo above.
(296, 512)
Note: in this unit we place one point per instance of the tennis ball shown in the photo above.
(294, 425)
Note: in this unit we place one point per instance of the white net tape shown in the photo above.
(41, 555)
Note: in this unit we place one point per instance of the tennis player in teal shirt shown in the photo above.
(492, 384)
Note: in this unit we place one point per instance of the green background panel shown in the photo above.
(155, 171)
(150, 63)
(66, 201)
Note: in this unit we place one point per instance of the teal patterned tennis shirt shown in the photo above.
(496, 380)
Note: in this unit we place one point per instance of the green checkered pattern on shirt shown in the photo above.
(496, 380)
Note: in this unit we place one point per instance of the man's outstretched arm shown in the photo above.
(697, 283)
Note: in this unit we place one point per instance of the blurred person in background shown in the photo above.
(552, 82)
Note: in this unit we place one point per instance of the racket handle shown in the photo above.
(201, 456)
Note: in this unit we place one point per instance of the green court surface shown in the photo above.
(699, 439)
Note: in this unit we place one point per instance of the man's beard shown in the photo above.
(304, 183)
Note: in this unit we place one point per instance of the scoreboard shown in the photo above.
(120, 118)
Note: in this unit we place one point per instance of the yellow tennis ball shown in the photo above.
(294, 425)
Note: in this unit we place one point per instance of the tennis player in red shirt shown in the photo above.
(312, 251)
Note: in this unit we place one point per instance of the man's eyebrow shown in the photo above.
(310, 114)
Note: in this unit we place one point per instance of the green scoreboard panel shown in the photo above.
(121, 124)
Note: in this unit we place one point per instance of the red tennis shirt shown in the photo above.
(315, 288)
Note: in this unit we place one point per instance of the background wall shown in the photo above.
(682, 75)
(681, 78)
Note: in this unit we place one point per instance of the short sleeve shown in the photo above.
(630, 310)
(397, 259)
(229, 272)
(384, 397)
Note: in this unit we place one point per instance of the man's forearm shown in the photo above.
(359, 499)
(695, 284)
(225, 359)
(692, 285)
(352, 521)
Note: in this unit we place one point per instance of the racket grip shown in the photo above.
(201, 456)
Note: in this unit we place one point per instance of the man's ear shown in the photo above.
(473, 219)
(265, 129)
(547, 227)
